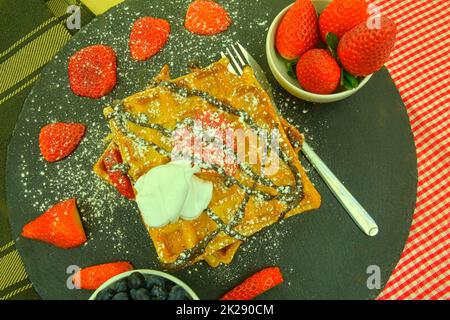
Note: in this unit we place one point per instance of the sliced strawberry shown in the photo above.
(59, 140)
(213, 120)
(93, 71)
(257, 284)
(60, 226)
(119, 179)
(91, 278)
(148, 36)
(206, 17)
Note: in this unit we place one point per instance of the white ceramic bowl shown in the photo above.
(278, 65)
(167, 276)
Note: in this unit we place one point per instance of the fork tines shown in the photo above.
(237, 57)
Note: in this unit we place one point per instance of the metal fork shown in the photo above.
(239, 59)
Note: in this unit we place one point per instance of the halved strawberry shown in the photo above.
(257, 284)
(148, 36)
(93, 71)
(58, 140)
(120, 180)
(60, 226)
(205, 17)
(91, 278)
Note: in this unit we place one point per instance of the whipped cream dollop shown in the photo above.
(172, 191)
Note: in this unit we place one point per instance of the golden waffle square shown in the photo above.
(243, 203)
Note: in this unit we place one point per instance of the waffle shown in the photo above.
(243, 203)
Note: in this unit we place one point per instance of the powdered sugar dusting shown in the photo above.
(112, 222)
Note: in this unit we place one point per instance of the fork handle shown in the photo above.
(350, 204)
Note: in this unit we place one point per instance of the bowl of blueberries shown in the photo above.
(144, 285)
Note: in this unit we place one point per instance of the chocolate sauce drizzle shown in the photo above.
(187, 256)
(291, 195)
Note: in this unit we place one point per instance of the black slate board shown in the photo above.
(366, 140)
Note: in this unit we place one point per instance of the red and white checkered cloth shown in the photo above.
(420, 67)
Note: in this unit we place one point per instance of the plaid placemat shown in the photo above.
(420, 67)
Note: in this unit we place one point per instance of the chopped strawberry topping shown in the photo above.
(210, 142)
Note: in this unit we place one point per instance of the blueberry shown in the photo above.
(158, 293)
(177, 293)
(121, 296)
(133, 294)
(136, 280)
(140, 294)
(151, 281)
(105, 294)
(120, 286)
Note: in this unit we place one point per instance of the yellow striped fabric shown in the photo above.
(13, 270)
(99, 7)
(57, 7)
(8, 245)
(21, 62)
(26, 37)
(16, 292)
(12, 94)
(26, 60)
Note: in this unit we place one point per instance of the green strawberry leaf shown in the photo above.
(349, 81)
(344, 83)
(292, 68)
(332, 43)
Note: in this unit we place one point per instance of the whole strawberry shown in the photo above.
(148, 36)
(93, 71)
(298, 30)
(363, 50)
(59, 140)
(60, 226)
(341, 16)
(318, 72)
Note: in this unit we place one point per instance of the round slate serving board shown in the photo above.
(366, 140)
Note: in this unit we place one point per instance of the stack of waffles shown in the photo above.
(247, 197)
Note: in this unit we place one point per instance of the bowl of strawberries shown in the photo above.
(326, 50)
